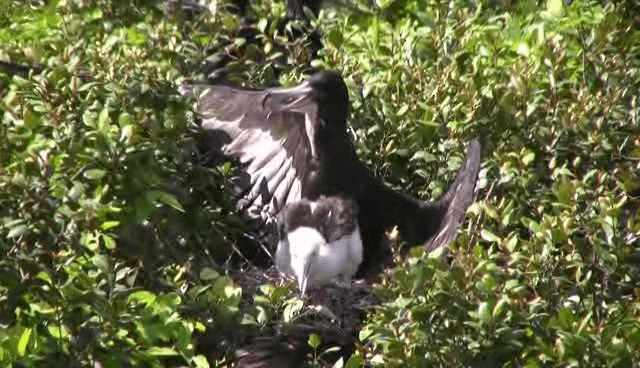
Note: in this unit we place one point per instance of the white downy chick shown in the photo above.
(320, 242)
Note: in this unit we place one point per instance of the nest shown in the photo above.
(334, 313)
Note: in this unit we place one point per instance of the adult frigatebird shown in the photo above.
(293, 143)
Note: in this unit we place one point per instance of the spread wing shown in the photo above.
(273, 146)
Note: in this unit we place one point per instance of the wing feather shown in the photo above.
(281, 192)
(272, 148)
(266, 191)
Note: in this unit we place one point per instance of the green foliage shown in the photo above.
(546, 274)
(103, 218)
(111, 239)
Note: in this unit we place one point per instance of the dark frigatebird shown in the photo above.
(293, 143)
(320, 241)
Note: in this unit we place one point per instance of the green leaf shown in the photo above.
(161, 351)
(523, 49)
(565, 192)
(142, 296)
(109, 225)
(103, 118)
(88, 119)
(528, 158)
(58, 332)
(109, 242)
(566, 317)
(355, 361)
(125, 119)
(365, 333)
(95, 14)
(278, 293)
(76, 190)
(489, 236)
(402, 110)
(292, 309)
(200, 327)
(136, 37)
(208, 274)
(200, 361)
(314, 340)
(166, 198)
(554, 8)
(512, 244)
(267, 289)
(24, 341)
(484, 313)
(44, 276)
(263, 316)
(335, 38)
(17, 231)
(500, 307)
(94, 174)
(262, 24)
(101, 261)
(584, 323)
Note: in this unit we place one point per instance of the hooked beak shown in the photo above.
(304, 279)
(302, 284)
(293, 99)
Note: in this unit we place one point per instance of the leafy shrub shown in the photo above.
(105, 221)
(545, 273)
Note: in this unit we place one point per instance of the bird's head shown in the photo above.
(325, 94)
(305, 246)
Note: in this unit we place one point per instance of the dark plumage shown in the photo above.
(293, 143)
(334, 217)
(295, 215)
(339, 216)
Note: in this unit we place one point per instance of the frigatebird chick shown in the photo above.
(320, 241)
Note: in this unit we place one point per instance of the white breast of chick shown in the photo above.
(305, 253)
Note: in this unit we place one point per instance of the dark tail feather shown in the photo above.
(453, 205)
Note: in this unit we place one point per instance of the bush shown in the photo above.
(546, 272)
(105, 221)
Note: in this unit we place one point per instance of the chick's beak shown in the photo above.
(302, 284)
(303, 281)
